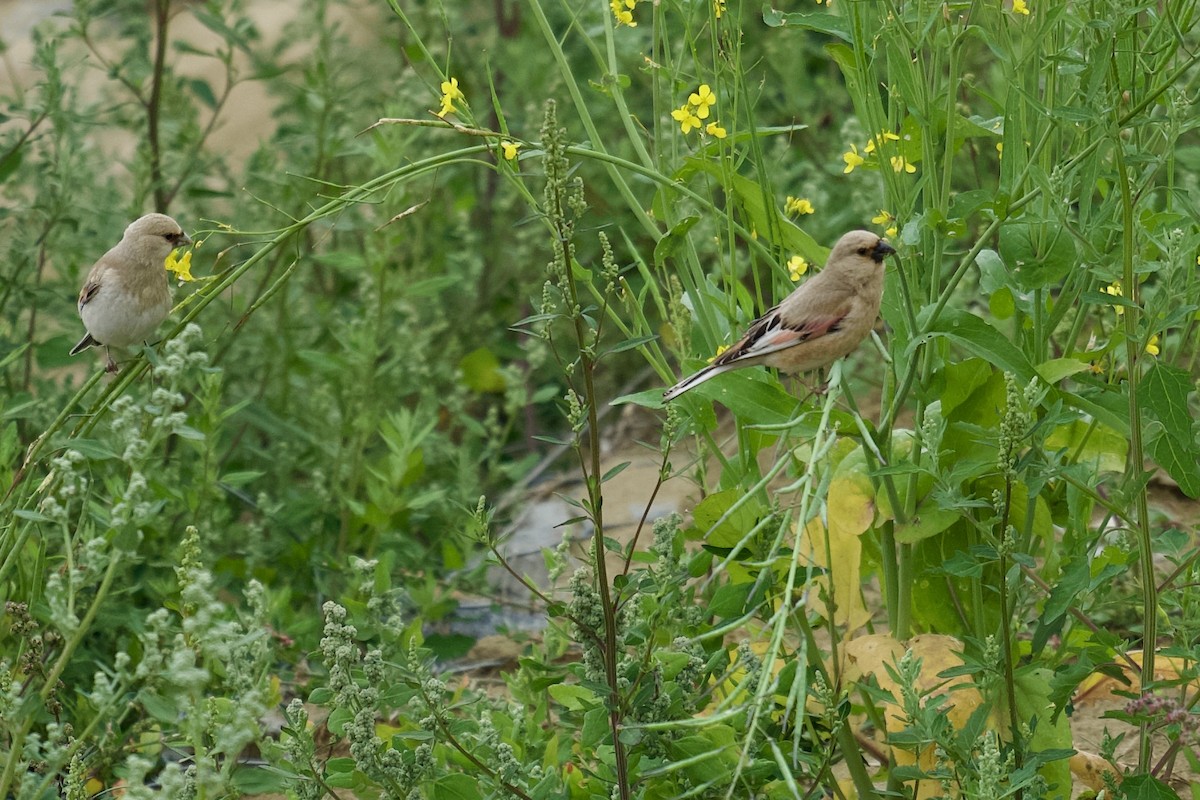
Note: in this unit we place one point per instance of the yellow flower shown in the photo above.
(182, 267)
(510, 149)
(718, 8)
(1020, 7)
(1152, 345)
(623, 12)
(715, 130)
(796, 266)
(880, 138)
(686, 119)
(1114, 289)
(1000, 149)
(902, 164)
(852, 159)
(797, 206)
(450, 94)
(702, 99)
(886, 218)
(721, 348)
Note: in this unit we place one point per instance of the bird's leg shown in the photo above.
(110, 365)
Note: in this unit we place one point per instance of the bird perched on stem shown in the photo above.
(824, 319)
(127, 295)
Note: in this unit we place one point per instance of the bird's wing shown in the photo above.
(88, 292)
(776, 331)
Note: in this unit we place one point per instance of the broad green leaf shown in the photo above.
(596, 727)
(761, 401)
(729, 532)
(1164, 392)
(457, 786)
(676, 237)
(1098, 445)
(979, 338)
(1056, 369)
(1037, 255)
(480, 371)
(819, 21)
(573, 696)
(928, 520)
(1146, 787)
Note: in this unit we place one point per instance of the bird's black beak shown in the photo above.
(882, 250)
(184, 240)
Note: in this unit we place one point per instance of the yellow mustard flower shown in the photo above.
(902, 164)
(718, 8)
(1152, 345)
(1000, 149)
(1114, 289)
(1020, 7)
(450, 95)
(796, 266)
(623, 12)
(181, 266)
(796, 206)
(702, 99)
(715, 130)
(879, 139)
(852, 159)
(510, 149)
(721, 348)
(686, 118)
(886, 218)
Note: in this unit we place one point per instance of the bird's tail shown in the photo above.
(84, 343)
(695, 380)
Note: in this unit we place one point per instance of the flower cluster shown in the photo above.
(451, 94)
(796, 267)
(623, 12)
(1020, 7)
(854, 159)
(796, 206)
(886, 218)
(691, 115)
(181, 265)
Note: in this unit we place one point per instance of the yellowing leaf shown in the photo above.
(850, 509)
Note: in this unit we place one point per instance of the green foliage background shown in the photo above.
(395, 320)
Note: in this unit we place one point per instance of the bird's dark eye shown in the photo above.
(862, 251)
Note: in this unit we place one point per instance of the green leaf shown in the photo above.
(31, 515)
(595, 728)
(1164, 392)
(1146, 787)
(573, 696)
(927, 521)
(730, 600)
(480, 370)
(1056, 369)
(1095, 444)
(819, 21)
(456, 787)
(10, 163)
(1037, 255)
(709, 511)
(754, 400)
(675, 238)
(978, 338)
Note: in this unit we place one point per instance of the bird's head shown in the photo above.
(861, 245)
(156, 235)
